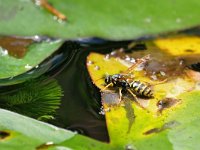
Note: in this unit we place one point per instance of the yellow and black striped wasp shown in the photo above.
(126, 82)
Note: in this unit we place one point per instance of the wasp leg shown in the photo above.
(110, 84)
(120, 94)
(135, 98)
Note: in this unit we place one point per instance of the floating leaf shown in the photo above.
(170, 119)
(106, 19)
(37, 52)
(20, 132)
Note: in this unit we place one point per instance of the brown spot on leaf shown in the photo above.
(166, 103)
(189, 50)
(170, 67)
(16, 47)
(4, 134)
(154, 130)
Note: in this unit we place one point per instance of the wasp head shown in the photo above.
(108, 79)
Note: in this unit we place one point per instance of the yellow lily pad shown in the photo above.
(183, 45)
(169, 120)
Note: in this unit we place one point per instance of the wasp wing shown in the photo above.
(140, 61)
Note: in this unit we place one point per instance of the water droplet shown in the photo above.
(127, 58)
(129, 147)
(3, 52)
(178, 20)
(49, 143)
(90, 62)
(113, 53)
(132, 60)
(107, 57)
(148, 20)
(97, 68)
(162, 73)
(140, 67)
(60, 21)
(28, 66)
(36, 38)
(38, 2)
(103, 111)
(154, 77)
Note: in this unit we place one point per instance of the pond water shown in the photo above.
(80, 108)
(81, 103)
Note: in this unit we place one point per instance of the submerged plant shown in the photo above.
(35, 98)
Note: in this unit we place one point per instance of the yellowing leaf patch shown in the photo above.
(173, 109)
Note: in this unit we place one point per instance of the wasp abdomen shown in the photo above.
(141, 89)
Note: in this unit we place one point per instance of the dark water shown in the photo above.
(81, 104)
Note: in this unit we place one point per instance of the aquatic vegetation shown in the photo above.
(150, 104)
(37, 98)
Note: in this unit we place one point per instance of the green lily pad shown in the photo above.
(106, 19)
(36, 53)
(20, 132)
(169, 120)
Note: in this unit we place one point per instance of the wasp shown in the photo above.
(126, 82)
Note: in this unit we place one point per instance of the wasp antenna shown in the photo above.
(98, 79)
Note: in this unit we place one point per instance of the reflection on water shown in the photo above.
(81, 106)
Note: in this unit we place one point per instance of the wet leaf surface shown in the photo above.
(42, 136)
(37, 52)
(107, 19)
(169, 120)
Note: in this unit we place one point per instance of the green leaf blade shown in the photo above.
(105, 19)
(28, 133)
